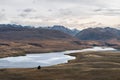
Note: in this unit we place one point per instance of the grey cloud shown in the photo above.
(72, 7)
(2, 16)
(26, 12)
(65, 12)
(111, 10)
(29, 10)
(3, 10)
(57, 11)
(97, 10)
(23, 15)
(107, 11)
(96, 3)
(50, 10)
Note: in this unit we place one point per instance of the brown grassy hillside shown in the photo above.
(17, 48)
(86, 66)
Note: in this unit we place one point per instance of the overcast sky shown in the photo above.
(71, 13)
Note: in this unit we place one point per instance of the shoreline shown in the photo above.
(40, 52)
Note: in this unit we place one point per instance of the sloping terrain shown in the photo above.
(16, 40)
(16, 32)
(99, 34)
(86, 66)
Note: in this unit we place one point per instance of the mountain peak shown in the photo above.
(65, 29)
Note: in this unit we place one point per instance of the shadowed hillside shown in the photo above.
(99, 34)
(18, 32)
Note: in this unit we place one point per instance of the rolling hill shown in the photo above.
(99, 34)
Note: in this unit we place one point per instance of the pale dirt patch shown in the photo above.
(93, 55)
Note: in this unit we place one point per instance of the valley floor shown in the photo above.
(86, 66)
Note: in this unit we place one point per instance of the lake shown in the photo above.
(44, 59)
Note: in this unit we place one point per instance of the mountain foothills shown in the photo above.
(100, 36)
(18, 40)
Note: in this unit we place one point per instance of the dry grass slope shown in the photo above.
(86, 66)
(19, 48)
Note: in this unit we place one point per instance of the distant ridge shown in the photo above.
(99, 34)
(19, 32)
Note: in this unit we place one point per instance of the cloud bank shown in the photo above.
(71, 13)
